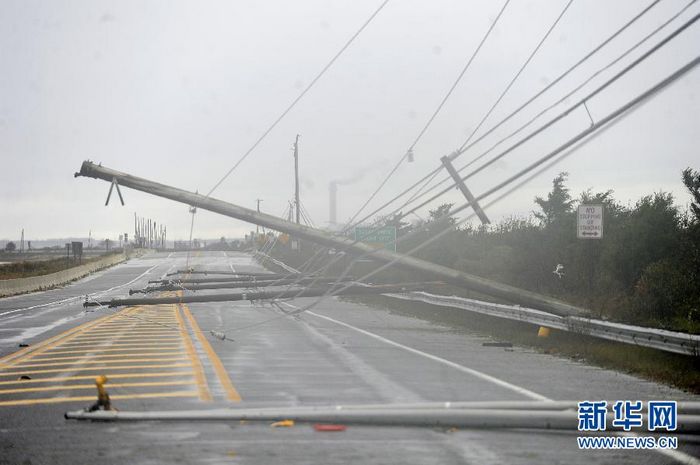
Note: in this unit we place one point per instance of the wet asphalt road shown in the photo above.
(338, 353)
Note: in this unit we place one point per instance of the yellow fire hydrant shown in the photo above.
(103, 402)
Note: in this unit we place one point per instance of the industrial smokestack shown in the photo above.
(332, 203)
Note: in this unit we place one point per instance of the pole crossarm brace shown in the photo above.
(465, 191)
(109, 194)
(442, 273)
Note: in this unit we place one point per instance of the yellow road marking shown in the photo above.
(99, 369)
(169, 337)
(126, 344)
(54, 400)
(59, 379)
(45, 345)
(231, 392)
(204, 393)
(103, 328)
(117, 324)
(50, 343)
(123, 346)
(89, 361)
(141, 332)
(100, 356)
(133, 349)
(69, 387)
(151, 318)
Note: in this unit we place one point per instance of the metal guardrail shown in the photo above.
(669, 341)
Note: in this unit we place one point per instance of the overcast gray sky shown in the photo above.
(177, 91)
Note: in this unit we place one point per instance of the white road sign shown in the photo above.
(590, 222)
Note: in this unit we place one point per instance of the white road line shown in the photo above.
(676, 455)
(435, 358)
(69, 299)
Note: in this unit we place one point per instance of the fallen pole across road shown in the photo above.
(420, 416)
(344, 244)
(224, 273)
(236, 279)
(235, 285)
(357, 289)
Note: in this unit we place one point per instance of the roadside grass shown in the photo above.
(26, 269)
(676, 370)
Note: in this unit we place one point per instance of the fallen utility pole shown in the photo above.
(443, 273)
(477, 418)
(233, 279)
(225, 273)
(359, 289)
(235, 285)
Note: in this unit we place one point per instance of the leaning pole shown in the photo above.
(443, 273)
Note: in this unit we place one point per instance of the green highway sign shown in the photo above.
(377, 237)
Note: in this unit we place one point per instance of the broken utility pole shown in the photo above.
(449, 275)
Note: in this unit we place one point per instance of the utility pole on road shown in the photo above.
(257, 227)
(296, 177)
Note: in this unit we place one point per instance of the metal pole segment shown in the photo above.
(358, 289)
(119, 193)
(458, 278)
(226, 273)
(441, 417)
(296, 177)
(246, 282)
(465, 191)
(232, 279)
(236, 285)
(109, 194)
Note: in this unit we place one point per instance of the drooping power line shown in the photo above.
(300, 96)
(433, 116)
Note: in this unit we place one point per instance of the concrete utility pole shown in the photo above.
(21, 242)
(257, 226)
(465, 190)
(296, 176)
(452, 276)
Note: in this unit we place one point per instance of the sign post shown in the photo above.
(589, 221)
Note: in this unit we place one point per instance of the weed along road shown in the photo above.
(217, 358)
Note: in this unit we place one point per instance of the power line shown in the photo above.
(522, 68)
(403, 215)
(432, 174)
(293, 104)
(300, 96)
(561, 76)
(570, 145)
(562, 115)
(434, 115)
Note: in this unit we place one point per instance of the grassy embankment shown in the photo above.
(26, 269)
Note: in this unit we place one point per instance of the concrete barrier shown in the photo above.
(37, 283)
